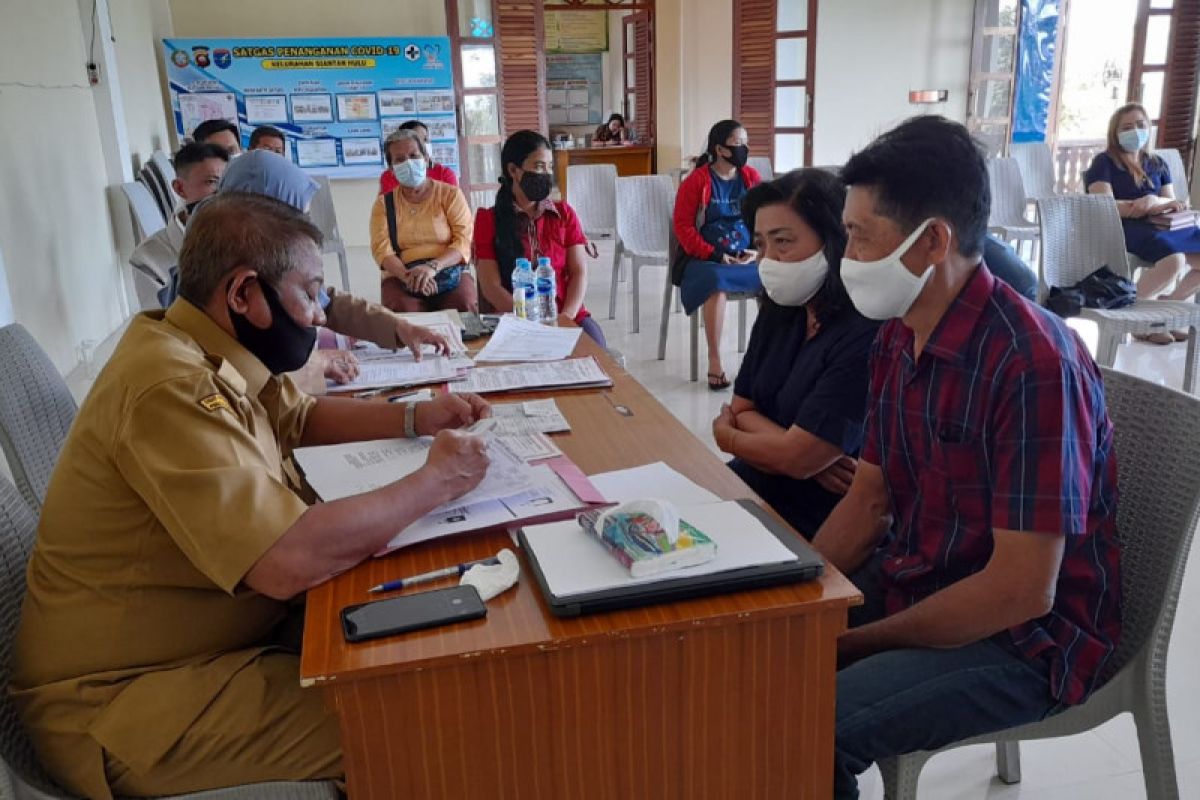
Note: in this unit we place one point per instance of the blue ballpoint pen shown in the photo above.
(425, 577)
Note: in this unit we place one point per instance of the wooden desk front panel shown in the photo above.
(628, 159)
(684, 716)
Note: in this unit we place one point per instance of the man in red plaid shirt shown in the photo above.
(981, 522)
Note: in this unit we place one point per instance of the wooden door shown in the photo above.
(1165, 71)
(993, 73)
(775, 53)
(637, 58)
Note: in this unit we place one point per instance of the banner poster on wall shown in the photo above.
(334, 99)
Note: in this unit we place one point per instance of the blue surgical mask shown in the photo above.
(1134, 139)
(410, 172)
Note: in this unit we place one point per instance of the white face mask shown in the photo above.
(885, 289)
(1133, 139)
(793, 283)
(410, 172)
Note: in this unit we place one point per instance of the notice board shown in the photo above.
(334, 99)
(574, 89)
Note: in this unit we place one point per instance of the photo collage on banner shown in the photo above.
(336, 100)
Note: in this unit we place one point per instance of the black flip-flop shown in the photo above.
(721, 384)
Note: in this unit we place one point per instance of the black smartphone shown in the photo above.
(412, 612)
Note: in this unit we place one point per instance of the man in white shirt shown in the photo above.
(198, 171)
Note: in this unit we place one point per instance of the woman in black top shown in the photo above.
(796, 421)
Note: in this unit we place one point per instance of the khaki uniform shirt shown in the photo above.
(170, 487)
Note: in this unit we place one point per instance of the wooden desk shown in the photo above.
(629, 159)
(726, 696)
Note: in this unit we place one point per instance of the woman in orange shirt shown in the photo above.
(421, 235)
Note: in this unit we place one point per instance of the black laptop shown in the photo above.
(806, 566)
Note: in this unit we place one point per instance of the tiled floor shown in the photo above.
(1103, 764)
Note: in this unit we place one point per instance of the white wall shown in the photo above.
(276, 18)
(706, 71)
(871, 53)
(137, 65)
(64, 273)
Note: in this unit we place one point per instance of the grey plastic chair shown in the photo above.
(36, 412)
(669, 291)
(1159, 478)
(20, 773)
(148, 218)
(1007, 218)
(1080, 234)
(763, 165)
(1036, 164)
(325, 217)
(644, 206)
(593, 195)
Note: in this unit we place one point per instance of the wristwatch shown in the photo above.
(410, 420)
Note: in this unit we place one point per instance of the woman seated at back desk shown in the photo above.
(796, 421)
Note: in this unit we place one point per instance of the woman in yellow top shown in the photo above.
(421, 235)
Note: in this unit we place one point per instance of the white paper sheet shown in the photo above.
(651, 480)
(345, 470)
(575, 563)
(515, 418)
(400, 369)
(549, 495)
(571, 372)
(517, 339)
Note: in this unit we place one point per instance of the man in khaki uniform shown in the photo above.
(171, 540)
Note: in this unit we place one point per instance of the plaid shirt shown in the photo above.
(1001, 423)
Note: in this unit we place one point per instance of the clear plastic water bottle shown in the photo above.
(547, 291)
(523, 290)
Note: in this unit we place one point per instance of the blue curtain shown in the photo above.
(1036, 50)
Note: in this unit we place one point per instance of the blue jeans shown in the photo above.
(592, 329)
(901, 701)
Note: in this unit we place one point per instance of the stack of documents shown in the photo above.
(651, 480)
(576, 373)
(512, 490)
(401, 369)
(517, 339)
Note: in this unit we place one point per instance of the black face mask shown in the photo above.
(537, 185)
(283, 347)
(737, 154)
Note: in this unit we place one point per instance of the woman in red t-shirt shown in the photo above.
(523, 206)
(435, 172)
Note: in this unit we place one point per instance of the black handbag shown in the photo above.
(1102, 289)
(447, 279)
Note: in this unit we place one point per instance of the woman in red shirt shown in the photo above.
(435, 172)
(523, 207)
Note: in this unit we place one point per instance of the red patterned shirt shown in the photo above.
(1001, 423)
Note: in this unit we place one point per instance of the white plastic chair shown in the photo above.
(1080, 234)
(1036, 164)
(324, 217)
(763, 165)
(644, 206)
(594, 198)
(148, 218)
(1007, 218)
(1159, 474)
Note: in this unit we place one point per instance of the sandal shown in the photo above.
(1155, 338)
(718, 382)
(1179, 336)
